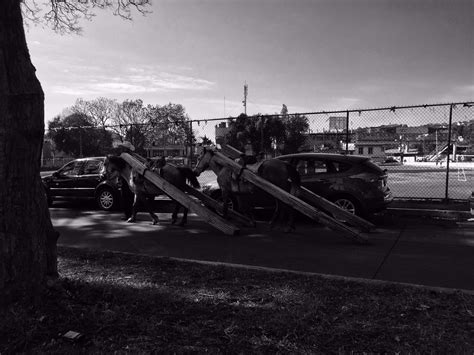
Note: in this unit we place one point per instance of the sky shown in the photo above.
(311, 55)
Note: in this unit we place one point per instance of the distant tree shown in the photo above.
(206, 141)
(296, 127)
(28, 239)
(262, 132)
(77, 135)
(132, 123)
(170, 125)
(101, 111)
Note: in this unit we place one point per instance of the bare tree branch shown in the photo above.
(64, 16)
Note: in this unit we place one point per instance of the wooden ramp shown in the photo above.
(321, 203)
(176, 194)
(294, 202)
(210, 202)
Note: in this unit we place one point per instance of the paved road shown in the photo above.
(418, 251)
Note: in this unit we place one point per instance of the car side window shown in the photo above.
(301, 167)
(311, 167)
(93, 167)
(340, 167)
(320, 167)
(71, 169)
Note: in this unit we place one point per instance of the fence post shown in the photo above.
(190, 142)
(446, 196)
(347, 133)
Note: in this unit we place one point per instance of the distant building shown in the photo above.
(221, 132)
(330, 142)
(337, 124)
(166, 150)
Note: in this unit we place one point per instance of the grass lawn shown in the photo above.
(135, 304)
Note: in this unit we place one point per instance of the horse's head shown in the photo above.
(204, 160)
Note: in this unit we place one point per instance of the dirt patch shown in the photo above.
(135, 304)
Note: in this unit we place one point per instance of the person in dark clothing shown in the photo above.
(127, 197)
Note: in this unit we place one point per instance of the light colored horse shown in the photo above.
(143, 189)
(275, 171)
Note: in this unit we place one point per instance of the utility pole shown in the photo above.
(246, 89)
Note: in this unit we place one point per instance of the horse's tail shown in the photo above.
(190, 176)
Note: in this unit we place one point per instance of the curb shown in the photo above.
(430, 213)
(302, 273)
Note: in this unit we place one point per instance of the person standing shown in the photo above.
(127, 196)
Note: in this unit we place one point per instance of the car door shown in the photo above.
(64, 180)
(89, 177)
(316, 174)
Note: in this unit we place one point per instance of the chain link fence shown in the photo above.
(428, 150)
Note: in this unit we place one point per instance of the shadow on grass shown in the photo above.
(130, 304)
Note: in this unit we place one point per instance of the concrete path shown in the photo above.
(419, 251)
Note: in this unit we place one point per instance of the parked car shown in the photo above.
(354, 183)
(82, 179)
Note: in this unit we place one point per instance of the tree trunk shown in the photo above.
(27, 237)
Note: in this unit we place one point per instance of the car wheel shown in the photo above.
(348, 204)
(106, 199)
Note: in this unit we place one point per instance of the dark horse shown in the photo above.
(275, 171)
(143, 189)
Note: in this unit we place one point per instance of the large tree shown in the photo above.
(27, 237)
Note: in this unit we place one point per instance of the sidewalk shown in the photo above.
(402, 249)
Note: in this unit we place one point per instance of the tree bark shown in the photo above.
(27, 237)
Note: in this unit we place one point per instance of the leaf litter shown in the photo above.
(124, 303)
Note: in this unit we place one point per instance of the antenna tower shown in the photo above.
(246, 90)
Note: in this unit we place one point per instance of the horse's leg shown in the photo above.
(140, 198)
(245, 208)
(291, 212)
(148, 206)
(184, 219)
(275, 214)
(225, 201)
(174, 216)
(133, 216)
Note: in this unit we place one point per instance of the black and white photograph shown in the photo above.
(237, 177)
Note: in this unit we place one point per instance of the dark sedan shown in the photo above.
(82, 179)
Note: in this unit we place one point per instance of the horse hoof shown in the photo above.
(173, 221)
(182, 224)
(131, 220)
